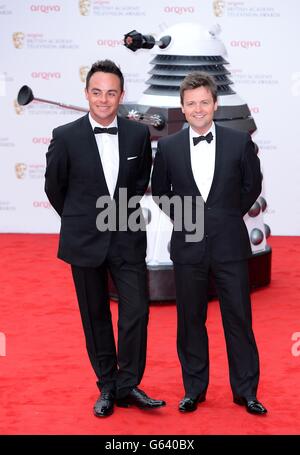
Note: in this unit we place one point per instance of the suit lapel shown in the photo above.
(218, 157)
(91, 147)
(185, 146)
(122, 139)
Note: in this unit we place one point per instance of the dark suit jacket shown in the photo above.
(235, 187)
(75, 180)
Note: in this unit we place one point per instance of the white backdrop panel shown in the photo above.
(49, 44)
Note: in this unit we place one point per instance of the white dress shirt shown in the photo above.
(108, 146)
(203, 161)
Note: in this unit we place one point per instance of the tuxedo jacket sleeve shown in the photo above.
(251, 177)
(144, 167)
(161, 184)
(56, 183)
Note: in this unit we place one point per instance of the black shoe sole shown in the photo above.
(184, 411)
(127, 404)
(257, 413)
(241, 402)
(109, 413)
(201, 400)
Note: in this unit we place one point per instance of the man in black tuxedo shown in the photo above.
(96, 159)
(221, 167)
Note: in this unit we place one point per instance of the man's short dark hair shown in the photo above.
(105, 66)
(198, 79)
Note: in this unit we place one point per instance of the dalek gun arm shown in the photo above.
(25, 96)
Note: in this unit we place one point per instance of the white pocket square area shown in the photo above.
(132, 157)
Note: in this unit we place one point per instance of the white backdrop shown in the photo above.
(49, 44)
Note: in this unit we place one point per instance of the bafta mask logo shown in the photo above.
(18, 39)
(18, 108)
(20, 170)
(84, 7)
(218, 7)
(83, 70)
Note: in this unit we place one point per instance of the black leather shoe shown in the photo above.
(188, 404)
(136, 397)
(104, 406)
(253, 406)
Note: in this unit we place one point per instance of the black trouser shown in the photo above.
(123, 370)
(231, 280)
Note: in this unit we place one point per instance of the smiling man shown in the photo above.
(220, 165)
(96, 157)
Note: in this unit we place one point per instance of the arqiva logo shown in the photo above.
(45, 9)
(45, 75)
(179, 9)
(41, 204)
(246, 44)
(41, 140)
(110, 42)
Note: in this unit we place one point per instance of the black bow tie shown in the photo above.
(209, 137)
(113, 130)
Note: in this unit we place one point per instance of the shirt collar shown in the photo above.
(94, 123)
(212, 129)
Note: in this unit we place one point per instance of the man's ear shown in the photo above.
(122, 96)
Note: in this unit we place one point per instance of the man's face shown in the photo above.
(104, 96)
(199, 108)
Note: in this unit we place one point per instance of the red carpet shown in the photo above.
(48, 387)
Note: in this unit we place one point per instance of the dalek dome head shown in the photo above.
(191, 47)
(192, 39)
